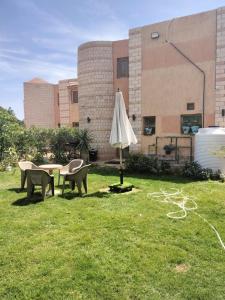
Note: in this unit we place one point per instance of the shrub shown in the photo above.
(9, 129)
(36, 144)
(10, 159)
(142, 164)
(58, 141)
(195, 171)
(165, 167)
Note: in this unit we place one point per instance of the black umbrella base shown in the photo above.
(121, 188)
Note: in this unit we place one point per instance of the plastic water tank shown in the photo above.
(207, 142)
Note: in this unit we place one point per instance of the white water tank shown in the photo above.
(207, 142)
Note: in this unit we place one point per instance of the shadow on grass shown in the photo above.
(165, 178)
(98, 195)
(111, 171)
(36, 198)
(17, 190)
(74, 195)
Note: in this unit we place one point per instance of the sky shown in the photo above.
(39, 38)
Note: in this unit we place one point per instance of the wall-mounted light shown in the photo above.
(133, 117)
(154, 35)
(223, 112)
(88, 119)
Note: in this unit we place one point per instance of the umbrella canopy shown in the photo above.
(122, 134)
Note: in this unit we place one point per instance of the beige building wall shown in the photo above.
(96, 93)
(40, 104)
(74, 107)
(69, 112)
(165, 74)
(120, 49)
(135, 96)
(220, 68)
(168, 80)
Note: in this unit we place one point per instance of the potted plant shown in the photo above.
(186, 129)
(194, 129)
(85, 139)
(148, 130)
(169, 148)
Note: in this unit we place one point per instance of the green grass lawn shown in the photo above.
(111, 246)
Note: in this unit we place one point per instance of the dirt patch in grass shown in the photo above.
(182, 268)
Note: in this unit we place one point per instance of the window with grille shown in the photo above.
(74, 96)
(190, 106)
(191, 123)
(149, 125)
(122, 67)
(75, 124)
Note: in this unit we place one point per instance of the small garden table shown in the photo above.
(51, 167)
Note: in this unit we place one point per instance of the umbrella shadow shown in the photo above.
(75, 195)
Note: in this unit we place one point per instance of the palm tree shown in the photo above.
(85, 138)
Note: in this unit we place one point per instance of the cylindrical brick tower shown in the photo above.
(96, 95)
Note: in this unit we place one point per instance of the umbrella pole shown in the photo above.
(121, 167)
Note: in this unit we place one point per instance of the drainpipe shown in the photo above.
(202, 72)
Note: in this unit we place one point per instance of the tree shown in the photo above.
(10, 126)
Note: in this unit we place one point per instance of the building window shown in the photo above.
(75, 124)
(190, 106)
(191, 123)
(122, 67)
(74, 97)
(149, 125)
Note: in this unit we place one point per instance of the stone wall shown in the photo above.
(96, 96)
(220, 67)
(64, 103)
(135, 67)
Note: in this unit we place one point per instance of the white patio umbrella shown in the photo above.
(122, 134)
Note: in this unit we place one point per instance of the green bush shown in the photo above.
(36, 144)
(10, 159)
(165, 167)
(195, 171)
(141, 163)
(58, 141)
(10, 127)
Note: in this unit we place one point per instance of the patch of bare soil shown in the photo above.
(182, 268)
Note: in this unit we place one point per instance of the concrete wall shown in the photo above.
(74, 107)
(220, 67)
(40, 104)
(96, 93)
(120, 49)
(49, 105)
(168, 80)
(69, 112)
(135, 94)
(161, 81)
